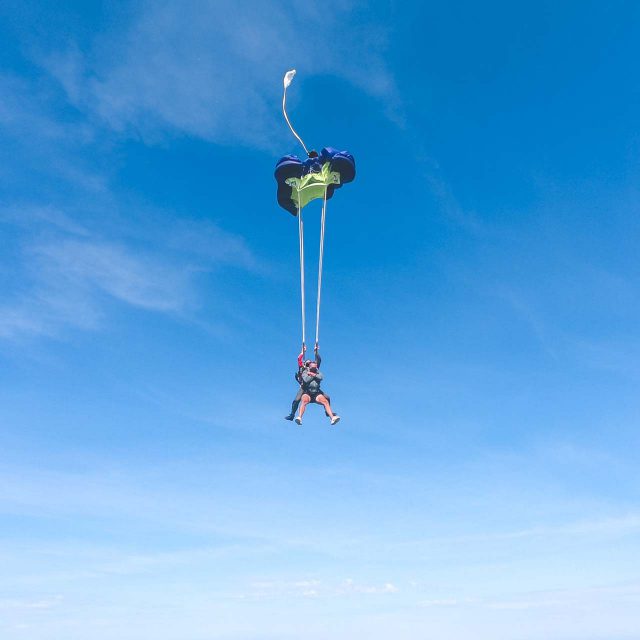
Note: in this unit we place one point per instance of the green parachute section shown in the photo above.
(312, 186)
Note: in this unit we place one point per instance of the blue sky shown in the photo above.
(480, 322)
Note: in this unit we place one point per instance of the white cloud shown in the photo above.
(29, 216)
(627, 524)
(16, 603)
(622, 525)
(138, 280)
(70, 277)
(351, 586)
(38, 144)
(568, 598)
(316, 588)
(22, 111)
(214, 70)
(439, 602)
(68, 274)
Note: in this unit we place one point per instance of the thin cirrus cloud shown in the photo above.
(40, 150)
(110, 268)
(69, 274)
(544, 599)
(69, 277)
(313, 588)
(213, 70)
(16, 603)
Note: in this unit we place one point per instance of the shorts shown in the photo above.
(313, 394)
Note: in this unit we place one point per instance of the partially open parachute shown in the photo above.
(300, 182)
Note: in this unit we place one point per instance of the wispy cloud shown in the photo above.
(69, 274)
(24, 110)
(439, 602)
(351, 586)
(569, 598)
(627, 524)
(41, 142)
(140, 281)
(533, 318)
(566, 598)
(313, 588)
(26, 604)
(214, 70)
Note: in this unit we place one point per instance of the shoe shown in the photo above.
(289, 417)
(298, 420)
(335, 420)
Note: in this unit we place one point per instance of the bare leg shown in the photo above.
(304, 401)
(320, 399)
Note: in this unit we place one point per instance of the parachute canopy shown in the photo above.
(300, 182)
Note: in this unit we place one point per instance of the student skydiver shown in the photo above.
(311, 392)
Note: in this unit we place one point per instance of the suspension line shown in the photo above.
(320, 260)
(301, 242)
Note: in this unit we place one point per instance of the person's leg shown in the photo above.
(321, 399)
(326, 395)
(294, 405)
(304, 401)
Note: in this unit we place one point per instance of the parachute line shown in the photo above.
(320, 260)
(288, 77)
(301, 241)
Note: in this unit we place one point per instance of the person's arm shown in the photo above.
(318, 376)
(316, 350)
(301, 356)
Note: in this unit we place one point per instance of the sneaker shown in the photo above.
(289, 417)
(298, 420)
(335, 420)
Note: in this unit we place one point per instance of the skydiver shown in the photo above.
(311, 392)
(303, 365)
(298, 377)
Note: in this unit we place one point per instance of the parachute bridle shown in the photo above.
(288, 78)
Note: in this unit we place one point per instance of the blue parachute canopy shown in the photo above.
(299, 181)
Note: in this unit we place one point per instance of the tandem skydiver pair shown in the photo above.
(309, 378)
